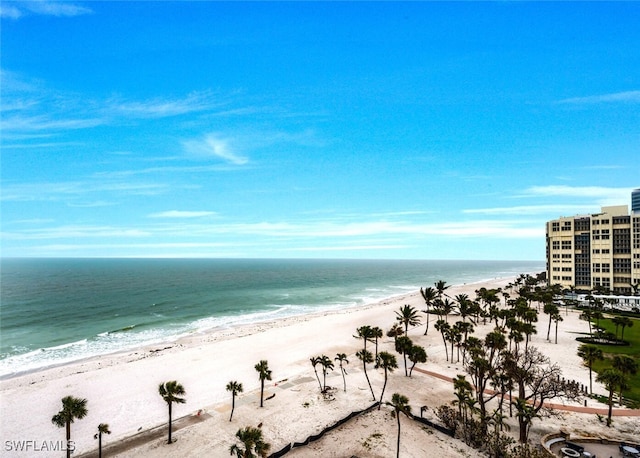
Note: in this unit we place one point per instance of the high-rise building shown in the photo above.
(600, 250)
(635, 201)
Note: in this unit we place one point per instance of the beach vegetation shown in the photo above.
(444, 328)
(483, 365)
(400, 404)
(103, 428)
(234, 388)
(315, 360)
(537, 381)
(590, 354)
(408, 316)
(376, 333)
(366, 357)
(366, 334)
(327, 365)
(441, 286)
(429, 295)
(403, 346)
(388, 363)
(613, 380)
(342, 360)
(72, 409)
(368, 442)
(550, 309)
(417, 354)
(395, 331)
(252, 444)
(171, 392)
(627, 367)
(264, 373)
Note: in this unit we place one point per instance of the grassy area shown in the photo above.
(631, 335)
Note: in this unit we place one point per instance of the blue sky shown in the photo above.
(304, 129)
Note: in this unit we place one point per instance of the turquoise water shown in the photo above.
(54, 311)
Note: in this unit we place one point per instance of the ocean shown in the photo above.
(55, 311)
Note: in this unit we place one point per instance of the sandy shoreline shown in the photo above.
(122, 388)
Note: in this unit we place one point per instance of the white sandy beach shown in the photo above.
(122, 389)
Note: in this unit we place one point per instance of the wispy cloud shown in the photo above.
(18, 9)
(21, 123)
(215, 145)
(530, 209)
(181, 214)
(25, 192)
(594, 192)
(616, 97)
(161, 108)
(76, 232)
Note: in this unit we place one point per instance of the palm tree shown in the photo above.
(616, 320)
(464, 306)
(590, 354)
(557, 317)
(612, 379)
(550, 309)
(171, 392)
(388, 362)
(444, 328)
(72, 408)
(376, 333)
(587, 316)
(417, 354)
(400, 404)
(366, 357)
(235, 388)
(441, 287)
(403, 346)
(627, 366)
(342, 359)
(626, 321)
(327, 365)
(366, 334)
(263, 374)
(408, 316)
(429, 295)
(447, 306)
(252, 441)
(315, 360)
(395, 331)
(103, 428)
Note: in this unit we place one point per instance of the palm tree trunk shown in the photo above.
(398, 444)
(590, 381)
(318, 377)
(233, 405)
(99, 445)
(169, 441)
(68, 428)
(404, 355)
(369, 382)
(261, 392)
(427, 328)
(383, 387)
(610, 408)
